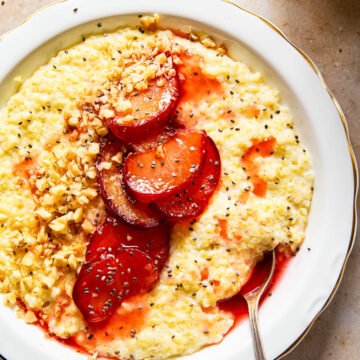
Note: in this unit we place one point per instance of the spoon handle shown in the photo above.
(254, 324)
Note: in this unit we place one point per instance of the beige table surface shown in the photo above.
(329, 32)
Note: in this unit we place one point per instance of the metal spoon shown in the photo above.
(252, 298)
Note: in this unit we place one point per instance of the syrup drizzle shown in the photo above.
(237, 305)
(196, 87)
(263, 148)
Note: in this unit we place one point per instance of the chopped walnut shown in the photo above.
(150, 22)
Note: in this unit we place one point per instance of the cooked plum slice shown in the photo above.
(109, 169)
(115, 235)
(171, 167)
(192, 201)
(150, 111)
(108, 279)
(154, 140)
(120, 262)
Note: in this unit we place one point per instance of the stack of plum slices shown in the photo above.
(150, 173)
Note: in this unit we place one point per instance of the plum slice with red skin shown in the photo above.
(192, 201)
(154, 140)
(108, 279)
(158, 173)
(150, 109)
(114, 236)
(113, 188)
(120, 262)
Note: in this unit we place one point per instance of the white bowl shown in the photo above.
(312, 277)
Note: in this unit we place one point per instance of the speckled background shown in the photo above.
(329, 32)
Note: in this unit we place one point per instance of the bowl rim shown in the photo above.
(345, 127)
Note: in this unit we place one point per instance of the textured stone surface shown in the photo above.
(329, 32)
